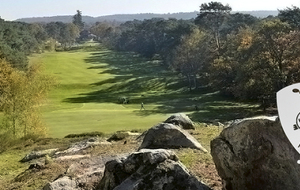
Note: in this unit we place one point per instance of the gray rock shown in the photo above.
(64, 183)
(165, 135)
(82, 145)
(38, 154)
(219, 124)
(73, 157)
(255, 154)
(149, 169)
(182, 120)
(86, 173)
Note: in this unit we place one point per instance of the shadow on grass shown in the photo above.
(148, 81)
(210, 109)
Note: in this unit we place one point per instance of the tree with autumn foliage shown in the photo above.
(192, 56)
(256, 63)
(21, 94)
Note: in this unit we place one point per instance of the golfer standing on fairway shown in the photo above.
(142, 106)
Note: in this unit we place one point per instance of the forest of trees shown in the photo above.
(18, 39)
(23, 87)
(240, 55)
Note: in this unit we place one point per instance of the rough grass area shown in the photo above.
(91, 134)
(202, 165)
(16, 175)
(12, 169)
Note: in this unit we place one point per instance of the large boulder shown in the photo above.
(181, 120)
(165, 135)
(64, 183)
(148, 169)
(255, 154)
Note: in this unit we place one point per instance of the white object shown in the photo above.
(288, 104)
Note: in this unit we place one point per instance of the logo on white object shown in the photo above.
(288, 104)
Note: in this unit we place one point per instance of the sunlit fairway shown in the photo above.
(78, 78)
(91, 80)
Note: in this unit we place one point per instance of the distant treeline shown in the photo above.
(238, 54)
(19, 39)
(120, 18)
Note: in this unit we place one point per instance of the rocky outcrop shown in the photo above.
(73, 157)
(255, 154)
(82, 145)
(38, 154)
(165, 135)
(85, 173)
(148, 169)
(182, 120)
(73, 149)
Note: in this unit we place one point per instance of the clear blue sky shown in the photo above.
(14, 9)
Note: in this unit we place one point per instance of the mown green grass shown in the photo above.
(91, 79)
(80, 103)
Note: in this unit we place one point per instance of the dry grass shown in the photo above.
(199, 163)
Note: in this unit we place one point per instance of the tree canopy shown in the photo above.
(213, 17)
(214, 7)
(291, 16)
(77, 20)
(21, 94)
(18, 40)
(237, 54)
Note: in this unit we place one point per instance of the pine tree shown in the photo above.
(77, 20)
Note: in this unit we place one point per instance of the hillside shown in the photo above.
(91, 78)
(129, 17)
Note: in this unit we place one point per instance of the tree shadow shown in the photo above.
(210, 108)
(131, 76)
(150, 82)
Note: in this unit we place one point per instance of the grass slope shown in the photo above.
(84, 100)
(91, 80)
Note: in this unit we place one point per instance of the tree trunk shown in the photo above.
(14, 121)
(195, 82)
(25, 130)
(190, 82)
(14, 127)
(217, 36)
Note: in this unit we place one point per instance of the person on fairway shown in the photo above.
(142, 106)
